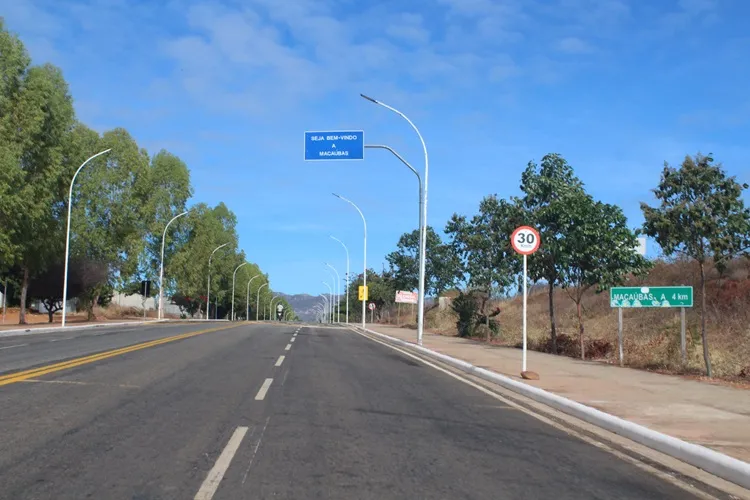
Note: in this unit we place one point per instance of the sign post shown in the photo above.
(525, 240)
(652, 296)
(337, 145)
(371, 306)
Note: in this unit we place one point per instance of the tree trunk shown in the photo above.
(580, 329)
(90, 316)
(553, 330)
(706, 356)
(24, 293)
(487, 305)
(50, 304)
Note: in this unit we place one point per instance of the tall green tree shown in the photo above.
(483, 246)
(36, 114)
(442, 266)
(600, 251)
(545, 187)
(701, 215)
(207, 228)
(110, 216)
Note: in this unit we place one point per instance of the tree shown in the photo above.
(110, 216)
(599, 249)
(82, 275)
(205, 229)
(483, 247)
(442, 266)
(701, 215)
(545, 186)
(36, 114)
(381, 292)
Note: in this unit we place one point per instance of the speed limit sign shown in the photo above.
(371, 306)
(525, 240)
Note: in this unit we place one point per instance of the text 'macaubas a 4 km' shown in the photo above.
(651, 296)
(336, 145)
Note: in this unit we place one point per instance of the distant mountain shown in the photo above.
(303, 304)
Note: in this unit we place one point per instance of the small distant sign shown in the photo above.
(371, 306)
(337, 145)
(363, 293)
(279, 307)
(406, 297)
(651, 296)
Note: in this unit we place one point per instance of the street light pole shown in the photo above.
(247, 306)
(257, 301)
(347, 276)
(161, 266)
(423, 239)
(330, 304)
(326, 306)
(208, 292)
(234, 277)
(338, 287)
(270, 307)
(67, 236)
(364, 259)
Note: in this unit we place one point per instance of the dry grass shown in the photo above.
(651, 336)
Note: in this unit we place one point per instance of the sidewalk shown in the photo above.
(714, 416)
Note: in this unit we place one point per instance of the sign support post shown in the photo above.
(619, 333)
(525, 296)
(525, 240)
(683, 344)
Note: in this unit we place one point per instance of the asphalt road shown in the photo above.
(220, 415)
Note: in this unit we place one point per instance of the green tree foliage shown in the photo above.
(381, 290)
(545, 188)
(599, 250)
(36, 115)
(483, 247)
(701, 215)
(442, 266)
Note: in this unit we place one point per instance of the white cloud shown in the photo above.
(409, 28)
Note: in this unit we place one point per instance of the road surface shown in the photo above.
(222, 411)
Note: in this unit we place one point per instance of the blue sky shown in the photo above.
(616, 86)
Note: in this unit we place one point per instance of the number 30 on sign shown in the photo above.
(525, 240)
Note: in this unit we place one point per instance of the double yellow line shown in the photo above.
(12, 378)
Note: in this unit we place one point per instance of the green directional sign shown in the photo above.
(651, 296)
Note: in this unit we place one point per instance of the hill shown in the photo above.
(303, 304)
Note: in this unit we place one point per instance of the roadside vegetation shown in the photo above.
(122, 201)
(700, 223)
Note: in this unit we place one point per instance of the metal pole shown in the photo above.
(364, 258)
(347, 277)
(423, 221)
(326, 306)
(208, 292)
(330, 295)
(247, 306)
(5, 299)
(257, 301)
(619, 334)
(523, 369)
(270, 308)
(234, 277)
(683, 343)
(338, 293)
(67, 237)
(161, 266)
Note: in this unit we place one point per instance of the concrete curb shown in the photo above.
(31, 331)
(718, 464)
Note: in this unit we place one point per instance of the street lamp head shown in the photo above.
(369, 98)
(336, 195)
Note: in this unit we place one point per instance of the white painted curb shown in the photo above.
(711, 461)
(30, 331)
